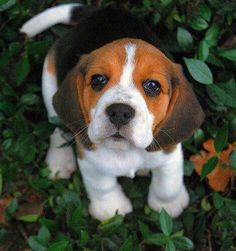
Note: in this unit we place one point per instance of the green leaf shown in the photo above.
(232, 159)
(40, 183)
(127, 245)
(22, 69)
(184, 39)
(156, 18)
(221, 93)
(76, 216)
(6, 107)
(209, 166)
(166, 222)
(178, 233)
(38, 47)
(205, 204)
(214, 100)
(4, 59)
(3, 235)
(58, 246)
(14, 48)
(203, 51)
(188, 145)
(43, 129)
(35, 244)
(217, 200)
(6, 4)
(29, 218)
(188, 220)
(2, 2)
(231, 209)
(29, 99)
(30, 155)
(199, 137)
(111, 224)
(44, 172)
(157, 239)
(178, 17)
(84, 237)
(12, 207)
(170, 246)
(198, 23)
(144, 229)
(212, 59)
(211, 36)
(221, 138)
(199, 71)
(205, 12)
(164, 3)
(71, 198)
(183, 243)
(188, 167)
(50, 224)
(228, 54)
(44, 235)
(147, 4)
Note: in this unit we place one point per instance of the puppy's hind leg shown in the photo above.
(60, 159)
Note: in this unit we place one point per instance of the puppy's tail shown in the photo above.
(66, 14)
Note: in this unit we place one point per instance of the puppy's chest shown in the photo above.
(123, 163)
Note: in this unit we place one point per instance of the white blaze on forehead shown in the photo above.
(126, 76)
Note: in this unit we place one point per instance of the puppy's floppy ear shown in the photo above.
(183, 117)
(67, 105)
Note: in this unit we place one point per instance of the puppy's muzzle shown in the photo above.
(120, 114)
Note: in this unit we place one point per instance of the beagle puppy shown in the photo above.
(128, 106)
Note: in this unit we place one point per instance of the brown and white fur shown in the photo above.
(150, 140)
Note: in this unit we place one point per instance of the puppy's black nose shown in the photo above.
(120, 114)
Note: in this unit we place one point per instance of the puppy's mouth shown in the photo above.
(117, 141)
(118, 136)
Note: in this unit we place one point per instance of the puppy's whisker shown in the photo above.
(77, 133)
(168, 136)
(80, 120)
(82, 130)
(168, 130)
(158, 143)
(82, 134)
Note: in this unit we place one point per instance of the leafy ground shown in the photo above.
(40, 214)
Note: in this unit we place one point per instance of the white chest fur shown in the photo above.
(115, 162)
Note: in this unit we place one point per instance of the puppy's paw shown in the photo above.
(105, 209)
(173, 207)
(61, 162)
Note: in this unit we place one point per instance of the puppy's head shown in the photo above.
(128, 93)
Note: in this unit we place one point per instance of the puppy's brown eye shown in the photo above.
(98, 82)
(152, 88)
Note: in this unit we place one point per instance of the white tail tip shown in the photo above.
(48, 18)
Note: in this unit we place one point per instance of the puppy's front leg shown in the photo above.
(105, 194)
(61, 161)
(167, 190)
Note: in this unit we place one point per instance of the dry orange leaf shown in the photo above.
(30, 203)
(29, 208)
(219, 178)
(4, 203)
